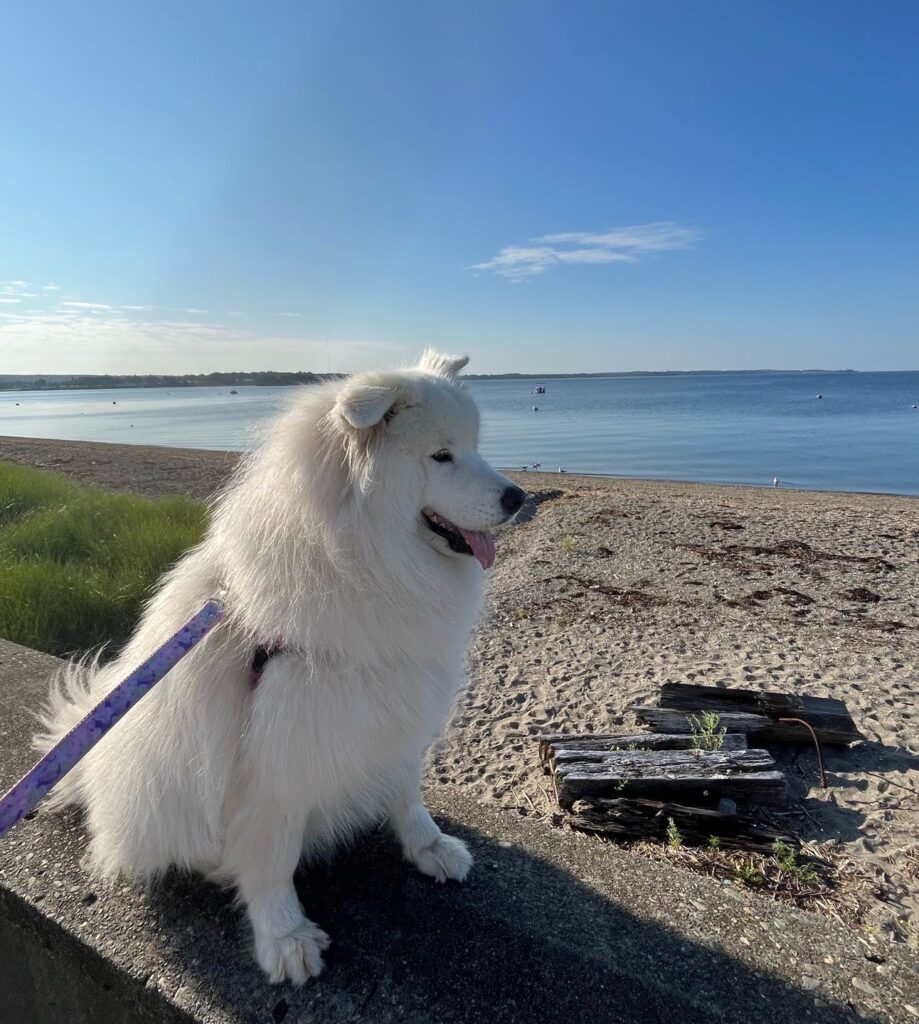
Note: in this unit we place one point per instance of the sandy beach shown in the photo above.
(610, 587)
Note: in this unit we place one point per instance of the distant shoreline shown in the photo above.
(109, 382)
(280, 378)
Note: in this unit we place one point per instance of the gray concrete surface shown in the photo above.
(552, 927)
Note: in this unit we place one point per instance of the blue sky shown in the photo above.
(546, 186)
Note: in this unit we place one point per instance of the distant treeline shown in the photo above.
(63, 382)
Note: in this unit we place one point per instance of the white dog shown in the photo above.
(351, 548)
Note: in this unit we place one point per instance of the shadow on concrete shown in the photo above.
(521, 940)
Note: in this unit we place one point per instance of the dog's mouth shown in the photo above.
(478, 543)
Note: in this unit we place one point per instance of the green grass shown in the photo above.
(76, 562)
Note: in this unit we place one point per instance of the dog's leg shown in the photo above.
(264, 834)
(262, 851)
(432, 852)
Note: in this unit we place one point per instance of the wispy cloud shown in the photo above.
(77, 339)
(617, 245)
(72, 335)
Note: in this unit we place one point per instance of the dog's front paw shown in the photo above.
(293, 957)
(446, 857)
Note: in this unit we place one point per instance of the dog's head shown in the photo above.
(411, 437)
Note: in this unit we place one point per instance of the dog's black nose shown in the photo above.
(512, 499)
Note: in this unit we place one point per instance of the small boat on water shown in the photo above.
(540, 389)
(232, 392)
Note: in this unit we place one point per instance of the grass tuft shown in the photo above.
(705, 732)
(77, 562)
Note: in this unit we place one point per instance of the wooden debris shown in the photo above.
(829, 718)
(695, 776)
(564, 746)
(668, 720)
(627, 818)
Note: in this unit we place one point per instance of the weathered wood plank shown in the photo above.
(668, 720)
(829, 717)
(764, 788)
(551, 743)
(626, 818)
(697, 776)
(599, 755)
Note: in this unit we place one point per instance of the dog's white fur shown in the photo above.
(319, 542)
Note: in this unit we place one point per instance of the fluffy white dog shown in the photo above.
(351, 546)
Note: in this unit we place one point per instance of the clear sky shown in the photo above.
(559, 187)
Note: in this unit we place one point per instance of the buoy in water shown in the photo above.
(535, 408)
(820, 396)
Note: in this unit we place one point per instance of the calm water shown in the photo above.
(863, 435)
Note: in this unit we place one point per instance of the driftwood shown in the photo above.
(694, 776)
(828, 717)
(627, 818)
(671, 721)
(553, 745)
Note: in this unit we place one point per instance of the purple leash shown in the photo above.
(18, 801)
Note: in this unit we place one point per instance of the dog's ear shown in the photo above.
(364, 405)
(440, 364)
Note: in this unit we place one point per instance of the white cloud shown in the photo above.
(50, 288)
(86, 305)
(196, 311)
(292, 316)
(16, 284)
(137, 308)
(74, 340)
(7, 298)
(617, 245)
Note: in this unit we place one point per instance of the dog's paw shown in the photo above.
(293, 957)
(445, 858)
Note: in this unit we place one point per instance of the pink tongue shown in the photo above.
(482, 544)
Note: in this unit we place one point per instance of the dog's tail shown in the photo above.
(70, 699)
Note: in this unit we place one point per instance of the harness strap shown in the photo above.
(260, 658)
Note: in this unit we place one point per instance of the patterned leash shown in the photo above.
(18, 801)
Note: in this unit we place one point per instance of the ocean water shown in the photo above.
(862, 435)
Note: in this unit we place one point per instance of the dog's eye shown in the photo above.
(442, 456)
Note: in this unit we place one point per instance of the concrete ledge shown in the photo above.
(552, 927)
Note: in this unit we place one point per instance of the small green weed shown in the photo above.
(569, 543)
(786, 859)
(705, 732)
(674, 839)
(748, 873)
